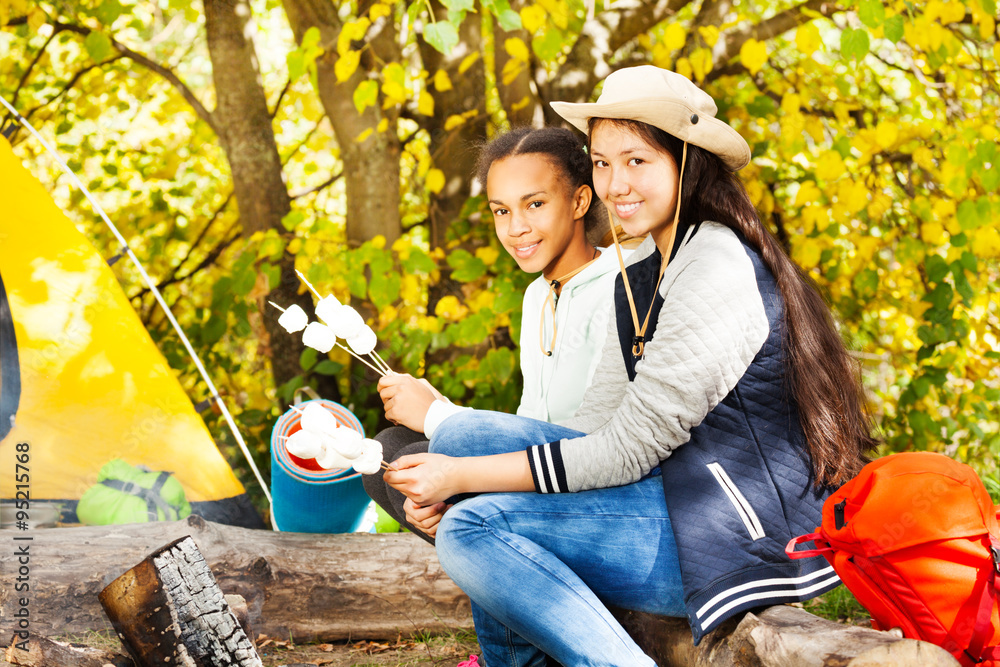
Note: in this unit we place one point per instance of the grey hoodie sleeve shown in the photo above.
(710, 328)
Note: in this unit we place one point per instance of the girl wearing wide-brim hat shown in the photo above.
(723, 412)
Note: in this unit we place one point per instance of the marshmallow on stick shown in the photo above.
(364, 341)
(346, 441)
(304, 444)
(370, 460)
(327, 308)
(331, 459)
(346, 322)
(317, 419)
(293, 319)
(319, 337)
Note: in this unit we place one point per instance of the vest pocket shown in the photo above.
(743, 508)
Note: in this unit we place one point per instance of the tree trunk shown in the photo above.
(371, 166)
(44, 652)
(244, 126)
(455, 151)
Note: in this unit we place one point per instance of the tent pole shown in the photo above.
(156, 293)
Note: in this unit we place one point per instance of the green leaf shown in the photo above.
(854, 43)
(296, 62)
(989, 6)
(308, 358)
(894, 28)
(549, 44)
(292, 220)
(871, 13)
(328, 367)
(509, 20)
(310, 40)
(384, 288)
(459, 5)
(499, 364)
(98, 45)
(467, 267)
(866, 283)
(365, 95)
(108, 11)
(442, 36)
(761, 106)
(243, 282)
(937, 268)
(967, 215)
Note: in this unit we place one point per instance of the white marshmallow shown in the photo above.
(317, 420)
(346, 322)
(330, 460)
(326, 308)
(304, 445)
(346, 441)
(364, 341)
(293, 319)
(319, 337)
(370, 462)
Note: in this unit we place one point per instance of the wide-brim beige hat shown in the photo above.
(666, 100)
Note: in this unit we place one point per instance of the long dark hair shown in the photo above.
(824, 380)
(563, 149)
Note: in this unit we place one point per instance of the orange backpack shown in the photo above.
(914, 537)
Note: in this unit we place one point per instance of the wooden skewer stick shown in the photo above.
(308, 284)
(276, 306)
(356, 356)
(382, 361)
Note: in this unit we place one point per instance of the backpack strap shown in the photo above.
(984, 626)
(822, 546)
(152, 495)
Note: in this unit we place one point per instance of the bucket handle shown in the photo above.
(306, 389)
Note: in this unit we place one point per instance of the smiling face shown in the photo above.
(537, 214)
(637, 180)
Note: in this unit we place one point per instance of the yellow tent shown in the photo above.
(81, 381)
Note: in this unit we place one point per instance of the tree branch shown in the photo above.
(772, 27)
(316, 188)
(209, 259)
(69, 85)
(31, 66)
(154, 66)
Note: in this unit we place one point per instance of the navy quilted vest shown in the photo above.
(742, 487)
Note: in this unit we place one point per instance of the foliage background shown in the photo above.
(337, 138)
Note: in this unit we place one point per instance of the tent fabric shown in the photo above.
(82, 378)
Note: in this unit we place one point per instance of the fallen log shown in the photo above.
(44, 652)
(309, 588)
(169, 610)
(332, 587)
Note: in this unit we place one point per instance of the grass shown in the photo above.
(838, 605)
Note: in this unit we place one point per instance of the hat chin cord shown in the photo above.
(639, 340)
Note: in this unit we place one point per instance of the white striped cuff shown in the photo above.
(547, 469)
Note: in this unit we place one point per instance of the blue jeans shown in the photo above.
(540, 568)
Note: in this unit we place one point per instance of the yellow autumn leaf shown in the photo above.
(830, 166)
(815, 217)
(488, 254)
(558, 11)
(378, 241)
(383, 125)
(710, 34)
(753, 55)
(807, 254)
(353, 31)
(852, 194)
(409, 289)
(986, 242)
(952, 12)
(701, 63)
(435, 180)
(756, 192)
(807, 38)
(886, 134)
(378, 11)
(481, 300)
(815, 128)
(533, 18)
(932, 233)
(511, 70)
(450, 308)
(517, 49)
(425, 105)
(364, 135)
(346, 65)
(442, 82)
(674, 36)
(807, 194)
(791, 103)
(294, 246)
(36, 18)
(924, 157)
(393, 85)
(467, 62)
(683, 67)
